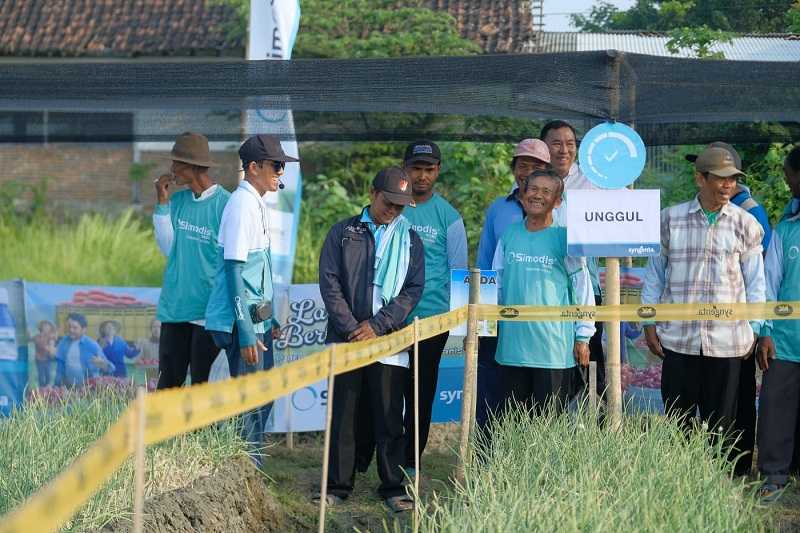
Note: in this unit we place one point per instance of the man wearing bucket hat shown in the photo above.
(529, 155)
(239, 312)
(710, 253)
(746, 408)
(371, 275)
(186, 227)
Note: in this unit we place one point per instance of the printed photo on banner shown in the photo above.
(82, 335)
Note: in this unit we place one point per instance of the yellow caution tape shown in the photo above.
(172, 412)
(176, 411)
(640, 312)
(57, 501)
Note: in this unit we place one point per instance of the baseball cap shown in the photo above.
(533, 148)
(425, 151)
(737, 160)
(717, 161)
(393, 182)
(264, 147)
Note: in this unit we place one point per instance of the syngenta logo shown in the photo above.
(450, 396)
(783, 310)
(200, 230)
(641, 250)
(520, 257)
(306, 398)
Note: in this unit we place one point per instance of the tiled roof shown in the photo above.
(195, 27)
(752, 47)
(111, 27)
(499, 26)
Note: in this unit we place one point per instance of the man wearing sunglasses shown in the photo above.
(239, 313)
(186, 227)
(371, 275)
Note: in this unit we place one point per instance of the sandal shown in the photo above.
(399, 504)
(331, 500)
(770, 492)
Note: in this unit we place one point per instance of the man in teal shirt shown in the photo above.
(186, 227)
(779, 346)
(239, 313)
(538, 359)
(444, 238)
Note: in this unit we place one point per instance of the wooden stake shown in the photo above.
(138, 428)
(613, 369)
(417, 458)
(323, 489)
(289, 432)
(470, 369)
(593, 385)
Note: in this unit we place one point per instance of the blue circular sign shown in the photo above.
(612, 155)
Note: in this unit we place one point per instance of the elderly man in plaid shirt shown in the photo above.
(710, 253)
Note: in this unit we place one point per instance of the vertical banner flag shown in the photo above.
(273, 28)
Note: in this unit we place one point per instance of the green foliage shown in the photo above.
(765, 178)
(569, 473)
(364, 28)
(40, 441)
(793, 18)
(22, 201)
(654, 15)
(94, 250)
(698, 41)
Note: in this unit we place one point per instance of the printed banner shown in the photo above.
(459, 296)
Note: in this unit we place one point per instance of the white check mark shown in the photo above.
(612, 157)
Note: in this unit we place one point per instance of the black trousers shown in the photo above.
(596, 353)
(490, 385)
(745, 424)
(381, 386)
(181, 347)
(710, 384)
(430, 354)
(537, 388)
(777, 420)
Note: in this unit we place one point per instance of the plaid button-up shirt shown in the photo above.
(706, 263)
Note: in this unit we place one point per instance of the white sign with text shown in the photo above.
(614, 223)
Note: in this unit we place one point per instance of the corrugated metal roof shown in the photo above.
(774, 47)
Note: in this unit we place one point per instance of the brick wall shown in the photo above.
(94, 177)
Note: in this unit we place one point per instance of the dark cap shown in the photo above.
(393, 182)
(717, 161)
(425, 151)
(262, 148)
(737, 160)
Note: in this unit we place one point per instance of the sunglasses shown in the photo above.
(277, 166)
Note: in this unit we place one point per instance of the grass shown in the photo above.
(94, 250)
(40, 441)
(565, 473)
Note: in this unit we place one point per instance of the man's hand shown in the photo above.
(251, 354)
(581, 353)
(363, 332)
(162, 184)
(99, 362)
(653, 342)
(765, 352)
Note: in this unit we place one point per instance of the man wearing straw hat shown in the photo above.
(239, 312)
(710, 253)
(371, 275)
(186, 227)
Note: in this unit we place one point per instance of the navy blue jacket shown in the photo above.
(346, 271)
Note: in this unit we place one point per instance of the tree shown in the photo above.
(741, 16)
(699, 41)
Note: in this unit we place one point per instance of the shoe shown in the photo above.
(399, 504)
(770, 492)
(331, 500)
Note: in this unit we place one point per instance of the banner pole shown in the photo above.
(137, 421)
(417, 458)
(289, 432)
(323, 489)
(470, 369)
(613, 369)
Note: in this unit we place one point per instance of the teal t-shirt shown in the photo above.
(193, 259)
(441, 230)
(785, 333)
(535, 273)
